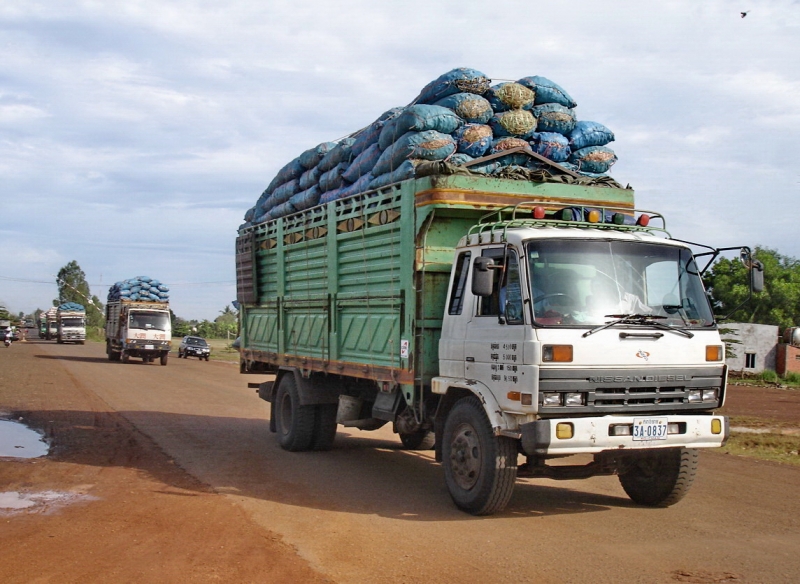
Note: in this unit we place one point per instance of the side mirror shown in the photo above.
(756, 276)
(482, 276)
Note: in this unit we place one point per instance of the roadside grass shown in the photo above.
(765, 440)
(766, 377)
(221, 350)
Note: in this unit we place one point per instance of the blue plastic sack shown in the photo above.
(306, 199)
(507, 143)
(281, 211)
(368, 136)
(248, 216)
(460, 80)
(361, 185)
(473, 139)
(405, 171)
(589, 134)
(513, 123)
(283, 193)
(550, 145)
(311, 157)
(509, 95)
(329, 196)
(290, 171)
(337, 154)
(363, 163)
(459, 159)
(593, 159)
(332, 179)
(309, 178)
(547, 91)
(427, 145)
(471, 108)
(552, 117)
(418, 118)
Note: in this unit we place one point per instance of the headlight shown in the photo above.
(551, 399)
(574, 399)
(695, 396)
(709, 395)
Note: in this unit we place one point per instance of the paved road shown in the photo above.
(369, 511)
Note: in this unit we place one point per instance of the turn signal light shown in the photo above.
(513, 396)
(713, 352)
(716, 426)
(557, 353)
(564, 430)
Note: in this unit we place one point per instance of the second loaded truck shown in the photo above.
(71, 323)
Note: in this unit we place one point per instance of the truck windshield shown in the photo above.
(149, 320)
(581, 282)
(72, 322)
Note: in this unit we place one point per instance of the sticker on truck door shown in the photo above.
(404, 349)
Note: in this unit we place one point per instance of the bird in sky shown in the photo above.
(744, 13)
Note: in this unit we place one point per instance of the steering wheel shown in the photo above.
(564, 299)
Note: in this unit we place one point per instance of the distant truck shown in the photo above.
(71, 321)
(510, 318)
(51, 323)
(136, 328)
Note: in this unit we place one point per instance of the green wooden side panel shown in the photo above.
(354, 280)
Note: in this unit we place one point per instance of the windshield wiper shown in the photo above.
(638, 319)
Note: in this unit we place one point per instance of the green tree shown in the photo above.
(227, 323)
(72, 287)
(727, 283)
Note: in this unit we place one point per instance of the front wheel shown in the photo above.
(294, 423)
(659, 478)
(479, 468)
(164, 358)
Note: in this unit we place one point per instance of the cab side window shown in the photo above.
(506, 300)
(459, 283)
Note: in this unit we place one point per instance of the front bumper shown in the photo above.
(196, 352)
(593, 435)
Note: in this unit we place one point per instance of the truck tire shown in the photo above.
(480, 469)
(164, 358)
(659, 478)
(125, 357)
(419, 440)
(294, 423)
(324, 426)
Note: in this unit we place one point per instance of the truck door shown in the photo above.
(493, 347)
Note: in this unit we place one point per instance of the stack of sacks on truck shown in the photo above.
(140, 288)
(456, 118)
(71, 307)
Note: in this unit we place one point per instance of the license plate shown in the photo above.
(148, 346)
(650, 428)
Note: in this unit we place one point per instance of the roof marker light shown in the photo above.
(594, 216)
(618, 219)
(538, 212)
(643, 220)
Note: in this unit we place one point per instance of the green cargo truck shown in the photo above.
(514, 321)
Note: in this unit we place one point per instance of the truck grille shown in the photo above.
(625, 391)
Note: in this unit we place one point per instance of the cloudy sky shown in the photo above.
(134, 135)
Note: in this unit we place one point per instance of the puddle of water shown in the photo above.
(19, 441)
(12, 501)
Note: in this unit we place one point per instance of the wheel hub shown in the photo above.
(465, 456)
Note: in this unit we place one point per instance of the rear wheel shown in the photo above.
(294, 423)
(659, 478)
(479, 468)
